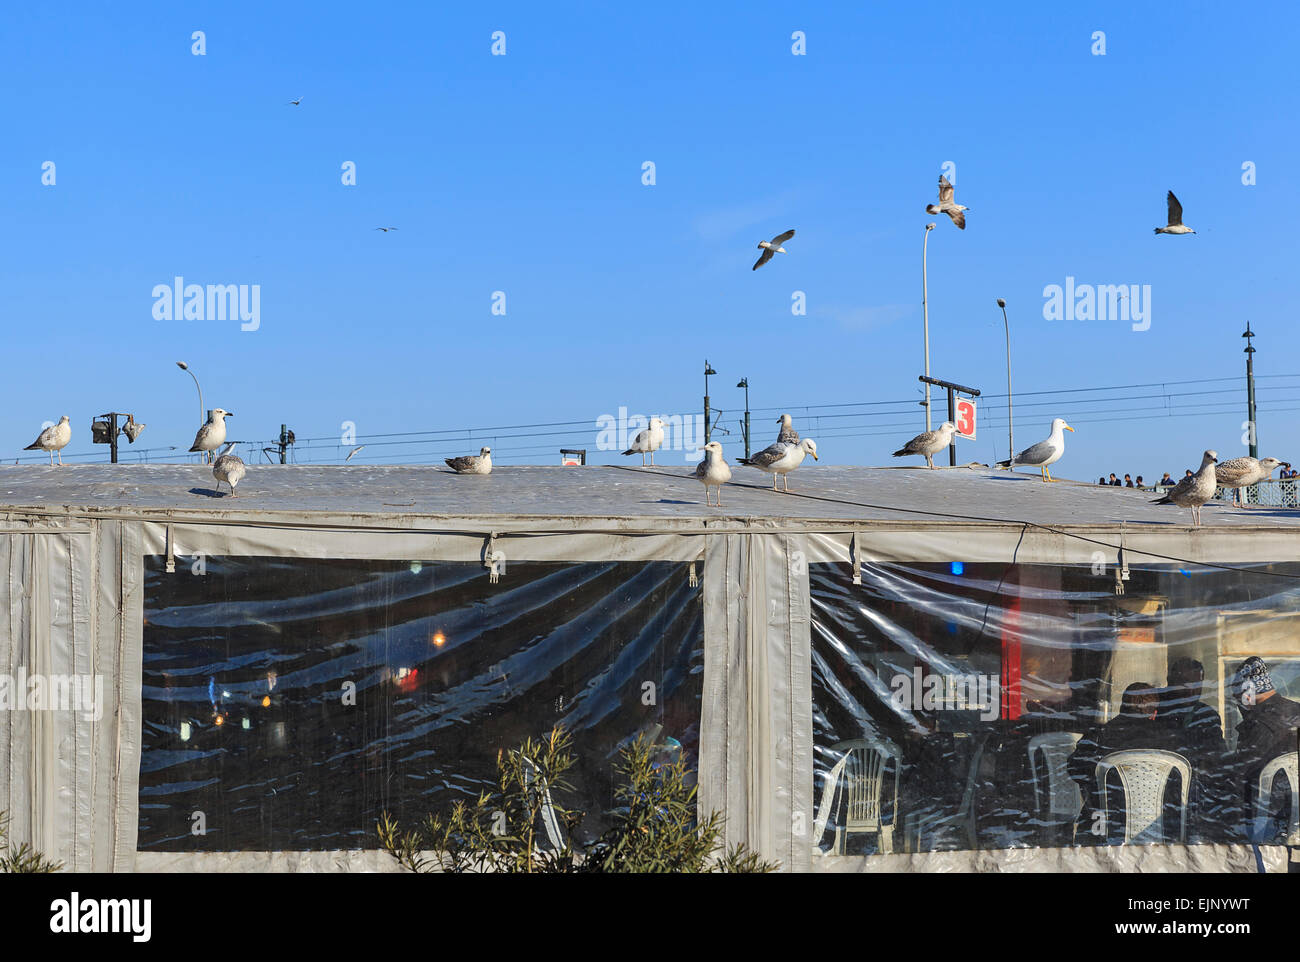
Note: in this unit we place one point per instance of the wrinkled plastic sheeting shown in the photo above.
(287, 703)
(963, 708)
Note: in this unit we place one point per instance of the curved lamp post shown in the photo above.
(925, 310)
(1011, 441)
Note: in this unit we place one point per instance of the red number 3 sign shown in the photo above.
(966, 418)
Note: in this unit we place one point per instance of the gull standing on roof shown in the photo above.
(213, 434)
(228, 468)
(1194, 491)
(1239, 473)
(1043, 453)
(1175, 225)
(713, 470)
(781, 458)
(787, 434)
(54, 438)
(769, 248)
(480, 463)
(946, 204)
(648, 441)
(929, 443)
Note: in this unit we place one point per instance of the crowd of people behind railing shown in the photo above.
(1168, 482)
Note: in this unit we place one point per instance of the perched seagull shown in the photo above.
(787, 435)
(769, 248)
(352, 452)
(713, 470)
(294, 103)
(385, 229)
(228, 468)
(1043, 453)
(1239, 473)
(648, 441)
(1175, 225)
(929, 443)
(781, 458)
(946, 205)
(54, 438)
(1194, 491)
(480, 463)
(213, 434)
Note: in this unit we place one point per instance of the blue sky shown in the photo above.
(523, 174)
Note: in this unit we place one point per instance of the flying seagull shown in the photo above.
(213, 433)
(353, 451)
(54, 438)
(946, 204)
(1175, 225)
(648, 441)
(780, 459)
(769, 248)
(385, 229)
(228, 468)
(1194, 491)
(713, 470)
(929, 443)
(787, 435)
(1239, 473)
(294, 103)
(1043, 453)
(480, 463)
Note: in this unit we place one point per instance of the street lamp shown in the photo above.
(203, 412)
(1011, 440)
(744, 382)
(708, 369)
(925, 310)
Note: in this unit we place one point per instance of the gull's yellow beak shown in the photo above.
(1070, 429)
(814, 454)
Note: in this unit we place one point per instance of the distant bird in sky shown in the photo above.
(1175, 225)
(353, 451)
(294, 103)
(480, 463)
(1043, 453)
(769, 248)
(385, 229)
(781, 458)
(713, 470)
(929, 443)
(1238, 473)
(228, 468)
(787, 434)
(946, 204)
(1194, 491)
(54, 438)
(213, 433)
(648, 441)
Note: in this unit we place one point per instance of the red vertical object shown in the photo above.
(1011, 661)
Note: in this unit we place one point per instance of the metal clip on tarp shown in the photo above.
(855, 558)
(493, 559)
(171, 552)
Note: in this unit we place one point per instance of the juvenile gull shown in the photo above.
(713, 470)
(946, 204)
(1043, 453)
(1194, 491)
(780, 459)
(213, 434)
(929, 443)
(54, 438)
(770, 248)
(648, 441)
(1239, 473)
(787, 434)
(228, 468)
(1175, 225)
(480, 463)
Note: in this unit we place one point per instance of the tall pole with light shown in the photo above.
(925, 311)
(1250, 392)
(708, 369)
(203, 413)
(1011, 438)
(744, 382)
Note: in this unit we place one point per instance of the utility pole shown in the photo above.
(1250, 392)
(1011, 437)
(925, 310)
(744, 382)
(708, 430)
(286, 439)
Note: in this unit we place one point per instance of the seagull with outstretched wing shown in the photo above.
(1175, 225)
(771, 247)
(947, 205)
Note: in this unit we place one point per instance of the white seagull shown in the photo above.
(1239, 473)
(1175, 225)
(54, 438)
(648, 441)
(771, 247)
(929, 443)
(946, 204)
(787, 434)
(213, 434)
(480, 463)
(1194, 491)
(1043, 453)
(780, 459)
(294, 103)
(228, 468)
(385, 229)
(713, 470)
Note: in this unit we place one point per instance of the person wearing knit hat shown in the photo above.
(1267, 729)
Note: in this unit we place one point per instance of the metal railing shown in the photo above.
(1273, 493)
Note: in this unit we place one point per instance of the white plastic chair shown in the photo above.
(1143, 772)
(862, 769)
(1063, 799)
(1290, 766)
(964, 816)
(549, 820)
